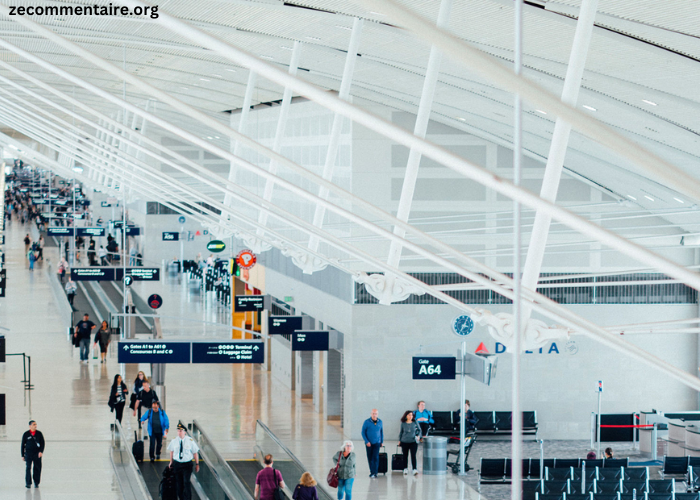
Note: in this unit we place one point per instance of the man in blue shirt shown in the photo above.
(373, 434)
(158, 425)
(424, 418)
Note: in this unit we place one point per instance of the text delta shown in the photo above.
(500, 348)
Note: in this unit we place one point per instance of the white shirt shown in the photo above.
(189, 448)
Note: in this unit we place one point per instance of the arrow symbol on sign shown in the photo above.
(126, 347)
(256, 348)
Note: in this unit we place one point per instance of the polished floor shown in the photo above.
(69, 401)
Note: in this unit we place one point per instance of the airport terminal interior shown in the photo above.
(337, 249)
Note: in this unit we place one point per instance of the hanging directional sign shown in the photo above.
(92, 231)
(59, 231)
(310, 340)
(281, 325)
(155, 301)
(434, 368)
(171, 236)
(247, 303)
(141, 273)
(216, 246)
(133, 231)
(235, 351)
(156, 351)
(92, 274)
(246, 259)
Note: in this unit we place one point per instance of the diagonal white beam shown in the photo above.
(242, 127)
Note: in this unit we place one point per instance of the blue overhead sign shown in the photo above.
(156, 351)
(92, 231)
(59, 231)
(281, 325)
(133, 231)
(434, 368)
(247, 303)
(233, 351)
(171, 236)
(92, 274)
(310, 340)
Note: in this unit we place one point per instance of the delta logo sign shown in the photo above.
(570, 347)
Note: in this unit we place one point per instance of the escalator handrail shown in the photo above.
(279, 443)
(140, 482)
(234, 477)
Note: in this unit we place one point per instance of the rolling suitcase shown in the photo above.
(383, 462)
(137, 448)
(397, 464)
(168, 485)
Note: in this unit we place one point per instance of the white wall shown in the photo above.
(282, 368)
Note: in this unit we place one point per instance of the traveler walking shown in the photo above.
(117, 397)
(32, 451)
(145, 399)
(158, 425)
(373, 435)
(62, 268)
(71, 289)
(138, 387)
(91, 252)
(182, 449)
(423, 417)
(102, 254)
(268, 481)
(102, 336)
(306, 489)
(82, 332)
(409, 436)
(31, 255)
(346, 470)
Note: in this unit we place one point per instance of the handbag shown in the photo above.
(333, 478)
(132, 402)
(278, 494)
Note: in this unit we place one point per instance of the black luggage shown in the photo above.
(383, 462)
(137, 448)
(397, 461)
(168, 485)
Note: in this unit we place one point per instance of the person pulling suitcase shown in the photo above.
(373, 435)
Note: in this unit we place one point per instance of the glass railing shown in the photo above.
(266, 443)
(129, 477)
(217, 479)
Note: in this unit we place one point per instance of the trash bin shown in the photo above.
(435, 455)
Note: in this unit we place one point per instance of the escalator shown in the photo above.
(152, 473)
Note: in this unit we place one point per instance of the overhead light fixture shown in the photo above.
(217, 137)
(376, 13)
(284, 47)
(649, 197)
(231, 70)
(541, 112)
(461, 119)
(343, 27)
(78, 169)
(267, 57)
(205, 80)
(649, 102)
(209, 137)
(591, 108)
(315, 39)
(217, 76)
(679, 200)
(631, 197)
(13, 146)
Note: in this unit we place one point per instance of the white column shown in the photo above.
(242, 128)
(557, 150)
(411, 176)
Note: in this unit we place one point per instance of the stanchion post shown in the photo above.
(654, 443)
(463, 413)
(541, 458)
(600, 395)
(583, 477)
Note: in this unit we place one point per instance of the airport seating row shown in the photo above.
(499, 470)
(488, 422)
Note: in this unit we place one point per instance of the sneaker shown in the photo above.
(29, 485)
(405, 472)
(415, 472)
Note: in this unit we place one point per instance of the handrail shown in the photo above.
(279, 443)
(197, 431)
(132, 484)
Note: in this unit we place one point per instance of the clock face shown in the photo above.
(462, 325)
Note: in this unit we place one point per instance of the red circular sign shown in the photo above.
(155, 301)
(246, 259)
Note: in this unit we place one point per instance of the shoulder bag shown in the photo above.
(333, 478)
(278, 494)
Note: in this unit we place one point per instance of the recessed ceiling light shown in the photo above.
(631, 197)
(540, 111)
(590, 108)
(315, 39)
(205, 80)
(343, 27)
(217, 76)
(679, 200)
(267, 57)
(649, 102)
(217, 137)
(283, 47)
(649, 198)
(461, 119)
(376, 13)
(231, 70)
(209, 137)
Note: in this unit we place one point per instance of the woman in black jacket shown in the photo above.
(117, 396)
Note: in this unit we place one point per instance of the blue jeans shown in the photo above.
(373, 457)
(345, 485)
(84, 349)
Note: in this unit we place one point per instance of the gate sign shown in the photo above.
(156, 351)
(247, 303)
(92, 231)
(171, 236)
(238, 351)
(216, 246)
(434, 368)
(155, 301)
(246, 259)
(310, 340)
(281, 325)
